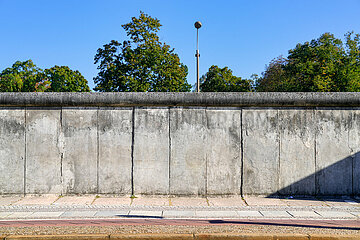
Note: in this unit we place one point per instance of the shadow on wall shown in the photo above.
(341, 178)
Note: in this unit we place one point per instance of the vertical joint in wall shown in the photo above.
(61, 151)
(132, 150)
(25, 157)
(241, 153)
(169, 151)
(352, 154)
(206, 154)
(97, 150)
(317, 190)
(279, 154)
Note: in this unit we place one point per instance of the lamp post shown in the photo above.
(197, 55)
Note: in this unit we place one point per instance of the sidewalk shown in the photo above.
(92, 214)
(99, 207)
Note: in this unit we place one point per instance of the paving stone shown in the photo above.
(249, 213)
(5, 214)
(38, 200)
(182, 201)
(111, 213)
(75, 200)
(8, 200)
(226, 201)
(216, 214)
(356, 213)
(341, 202)
(335, 214)
(112, 201)
(304, 214)
(141, 201)
(178, 214)
(20, 214)
(45, 215)
(78, 214)
(304, 202)
(276, 214)
(263, 201)
(145, 214)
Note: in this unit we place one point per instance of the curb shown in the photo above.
(235, 236)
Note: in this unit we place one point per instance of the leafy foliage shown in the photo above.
(27, 77)
(322, 65)
(21, 77)
(274, 77)
(63, 79)
(142, 64)
(222, 80)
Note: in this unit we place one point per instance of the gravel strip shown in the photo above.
(46, 230)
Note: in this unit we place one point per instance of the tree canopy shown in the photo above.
(21, 77)
(141, 64)
(27, 77)
(222, 80)
(322, 65)
(63, 79)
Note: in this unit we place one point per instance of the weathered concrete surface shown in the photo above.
(261, 151)
(182, 150)
(151, 151)
(204, 99)
(12, 150)
(223, 150)
(333, 156)
(354, 144)
(297, 152)
(188, 139)
(80, 158)
(115, 137)
(43, 151)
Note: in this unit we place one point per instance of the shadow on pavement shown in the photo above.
(139, 216)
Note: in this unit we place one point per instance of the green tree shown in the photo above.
(222, 80)
(21, 77)
(27, 77)
(322, 65)
(274, 78)
(141, 64)
(63, 79)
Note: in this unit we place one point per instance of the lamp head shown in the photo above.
(198, 24)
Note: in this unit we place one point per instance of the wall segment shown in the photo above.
(180, 143)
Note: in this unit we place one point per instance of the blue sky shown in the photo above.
(243, 35)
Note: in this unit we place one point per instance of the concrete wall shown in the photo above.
(205, 149)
